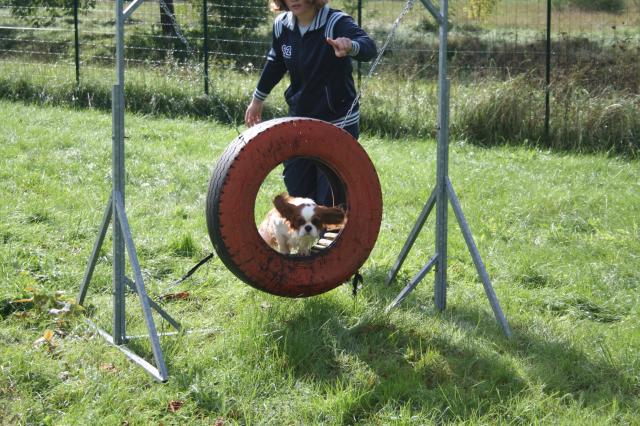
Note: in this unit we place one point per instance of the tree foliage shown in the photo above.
(44, 12)
(478, 9)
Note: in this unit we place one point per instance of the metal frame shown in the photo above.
(123, 242)
(440, 197)
(122, 238)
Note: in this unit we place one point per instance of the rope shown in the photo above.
(407, 7)
(356, 282)
(187, 275)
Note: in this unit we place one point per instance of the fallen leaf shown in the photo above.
(107, 366)
(175, 406)
(182, 295)
(48, 335)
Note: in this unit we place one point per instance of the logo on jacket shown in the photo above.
(286, 51)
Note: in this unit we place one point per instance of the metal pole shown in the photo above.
(119, 330)
(76, 40)
(547, 77)
(442, 166)
(122, 239)
(205, 45)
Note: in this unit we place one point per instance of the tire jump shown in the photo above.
(234, 186)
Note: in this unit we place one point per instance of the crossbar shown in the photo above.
(132, 8)
(434, 11)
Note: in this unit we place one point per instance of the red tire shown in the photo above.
(232, 193)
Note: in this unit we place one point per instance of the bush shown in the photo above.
(615, 6)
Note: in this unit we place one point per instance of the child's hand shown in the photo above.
(341, 46)
(253, 114)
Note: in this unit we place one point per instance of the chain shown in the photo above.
(176, 27)
(407, 7)
(178, 30)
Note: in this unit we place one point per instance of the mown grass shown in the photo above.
(558, 232)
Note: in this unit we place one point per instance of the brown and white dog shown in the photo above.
(295, 224)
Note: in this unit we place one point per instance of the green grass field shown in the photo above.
(559, 233)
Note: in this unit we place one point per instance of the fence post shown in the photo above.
(547, 77)
(205, 45)
(76, 40)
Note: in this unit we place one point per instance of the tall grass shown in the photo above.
(485, 112)
(580, 121)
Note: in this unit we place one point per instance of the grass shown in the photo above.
(558, 232)
(485, 112)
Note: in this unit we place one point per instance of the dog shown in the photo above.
(295, 224)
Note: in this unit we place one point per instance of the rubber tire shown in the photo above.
(232, 193)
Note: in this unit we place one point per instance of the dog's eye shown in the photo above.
(315, 222)
(300, 222)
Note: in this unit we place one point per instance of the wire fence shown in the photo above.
(594, 41)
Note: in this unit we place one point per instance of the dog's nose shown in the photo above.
(307, 228)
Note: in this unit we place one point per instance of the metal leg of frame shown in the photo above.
(413, 283)
(441, 196)
(426, 210)
(139, 283)
(122, 239)
(477, 260)
(159, 373)
(175, 324)
(148, 367)
(88, 274)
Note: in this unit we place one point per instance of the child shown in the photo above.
(315, 44)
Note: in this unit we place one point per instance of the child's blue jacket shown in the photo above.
(321, 84)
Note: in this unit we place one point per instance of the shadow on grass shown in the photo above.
(457, 367)
(451, 366)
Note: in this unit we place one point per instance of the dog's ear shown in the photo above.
(330, 215)
(286, 209)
